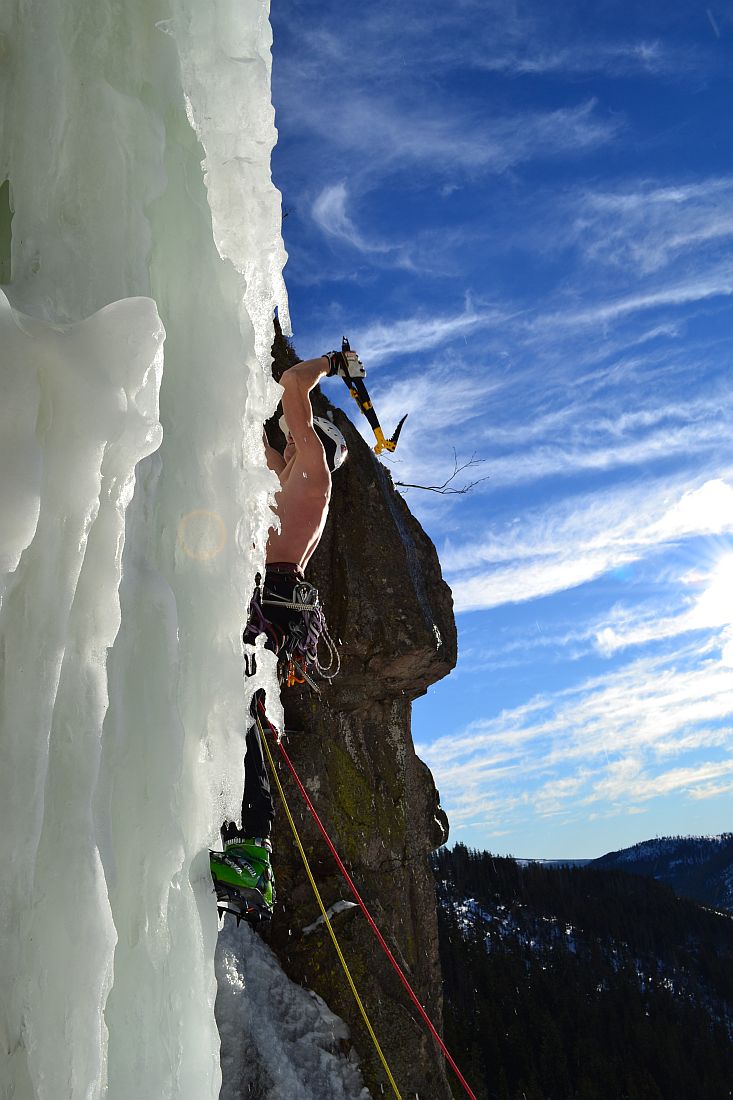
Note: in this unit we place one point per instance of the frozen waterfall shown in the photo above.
(141, 268)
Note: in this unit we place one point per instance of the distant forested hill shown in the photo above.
(699, 867)
(582, 984)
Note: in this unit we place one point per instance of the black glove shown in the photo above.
(345, 363)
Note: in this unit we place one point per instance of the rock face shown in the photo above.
(386, 602)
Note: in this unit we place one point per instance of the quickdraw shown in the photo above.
(292, 677)
(359, 392)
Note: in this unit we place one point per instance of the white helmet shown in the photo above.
(333, 441)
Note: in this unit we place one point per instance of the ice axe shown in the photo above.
(358, 390)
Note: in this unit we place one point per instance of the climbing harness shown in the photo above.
(322, 907)
(296, 647)
(349, 881)
(305, 635)
(358, 390)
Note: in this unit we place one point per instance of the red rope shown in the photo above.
(365, 911)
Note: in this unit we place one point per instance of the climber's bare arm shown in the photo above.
(297, 382)
(305, 481)
(309, 372)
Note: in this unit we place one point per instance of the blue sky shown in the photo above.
(522, 216)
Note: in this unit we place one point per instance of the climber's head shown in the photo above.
(334, 444)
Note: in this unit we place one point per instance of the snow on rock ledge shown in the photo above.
(278, 1040)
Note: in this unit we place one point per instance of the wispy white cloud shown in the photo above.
(555, 549)
(592, 387)
(330, 214)
(707, 601)
(715, 282)
(650, 57)
(632, 517)
(652, 706)
(399, 135)
(654, 727)
(593, 412)
(492, 35)
(422, 332)
(432, 252)
(629, 781)
(435, 400)
(645, 227)
(707, 510)
(564, 458)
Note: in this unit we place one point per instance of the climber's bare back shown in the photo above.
(302, 509)
(302, 502)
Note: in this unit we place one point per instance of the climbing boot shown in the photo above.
(243, 879)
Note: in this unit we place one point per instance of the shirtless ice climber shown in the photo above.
(242, 873)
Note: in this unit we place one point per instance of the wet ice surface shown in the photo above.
(68, 478)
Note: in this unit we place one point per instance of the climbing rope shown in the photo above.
(383, 944)
(321, 906)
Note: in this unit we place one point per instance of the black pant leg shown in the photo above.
(258, 808)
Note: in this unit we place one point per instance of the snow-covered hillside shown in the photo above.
(578, 981)
(699, 867)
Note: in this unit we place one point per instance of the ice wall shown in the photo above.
(133, 508)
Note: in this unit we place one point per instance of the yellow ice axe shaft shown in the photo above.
(359, 392)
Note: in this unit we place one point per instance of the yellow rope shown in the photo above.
(324, 914)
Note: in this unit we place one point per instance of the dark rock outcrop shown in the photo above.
(386, 602)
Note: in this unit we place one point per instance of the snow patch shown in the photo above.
(278, 1040)
(337, 907)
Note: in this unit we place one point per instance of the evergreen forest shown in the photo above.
(573, 983)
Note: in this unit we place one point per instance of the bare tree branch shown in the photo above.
(446, 488)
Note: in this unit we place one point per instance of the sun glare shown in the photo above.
(715, 605)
